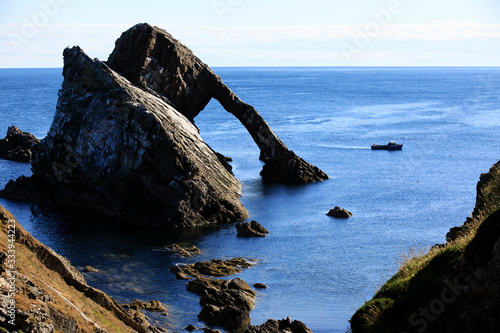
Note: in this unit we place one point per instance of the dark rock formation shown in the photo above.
(227, 305)
(17, 145)
(224, 303)
(280, 326)
(339, 213)
(152, 58)
(127, 152)
(251, 229)
(259, 285)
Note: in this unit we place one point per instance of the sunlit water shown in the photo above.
(318, 269)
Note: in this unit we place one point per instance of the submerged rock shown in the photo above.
(150, 57)
(339, 213)
(184, 252)
(18, 145)
(127, 152)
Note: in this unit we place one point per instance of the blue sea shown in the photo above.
(318, 269)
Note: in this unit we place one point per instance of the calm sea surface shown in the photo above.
(318, 269)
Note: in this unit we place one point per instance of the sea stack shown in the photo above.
(150, 57)
(126, 151)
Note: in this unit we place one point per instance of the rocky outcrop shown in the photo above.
(225, 303)
(338, 212)
(127, 152)
(280, 326)
(50, 294)
(251, 229)
(18, 145)
(152, 58)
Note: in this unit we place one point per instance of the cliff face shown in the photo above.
(126, 151)
(152, 58)
(50, 295)
(453, 288)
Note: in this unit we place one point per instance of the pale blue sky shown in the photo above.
(33, 33)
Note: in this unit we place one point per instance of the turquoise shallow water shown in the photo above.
(318, 269)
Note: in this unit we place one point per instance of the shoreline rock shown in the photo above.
(153, 306)
(251, 229)
(18, 145)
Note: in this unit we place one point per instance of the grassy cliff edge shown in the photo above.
(41, 292)
(454, 287)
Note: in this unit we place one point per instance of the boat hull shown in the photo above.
(387, 147)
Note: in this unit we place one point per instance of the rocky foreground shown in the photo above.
(453, 288)
(41, 292)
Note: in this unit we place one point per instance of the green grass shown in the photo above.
(417, 283)
(107, 322)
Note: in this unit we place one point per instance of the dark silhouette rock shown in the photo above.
(338, 212)
(127, 152)
(259, 285)
(18, 145)
(228, 305)
(280, 326)
(150, 57)
(251, 229)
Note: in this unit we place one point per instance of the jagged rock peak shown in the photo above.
(150, 57)
(126, 151)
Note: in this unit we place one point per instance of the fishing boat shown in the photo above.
(392, 145)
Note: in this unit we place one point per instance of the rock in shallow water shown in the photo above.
(251, 229)
(126, 151)
(339, 213)
(18, 145)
